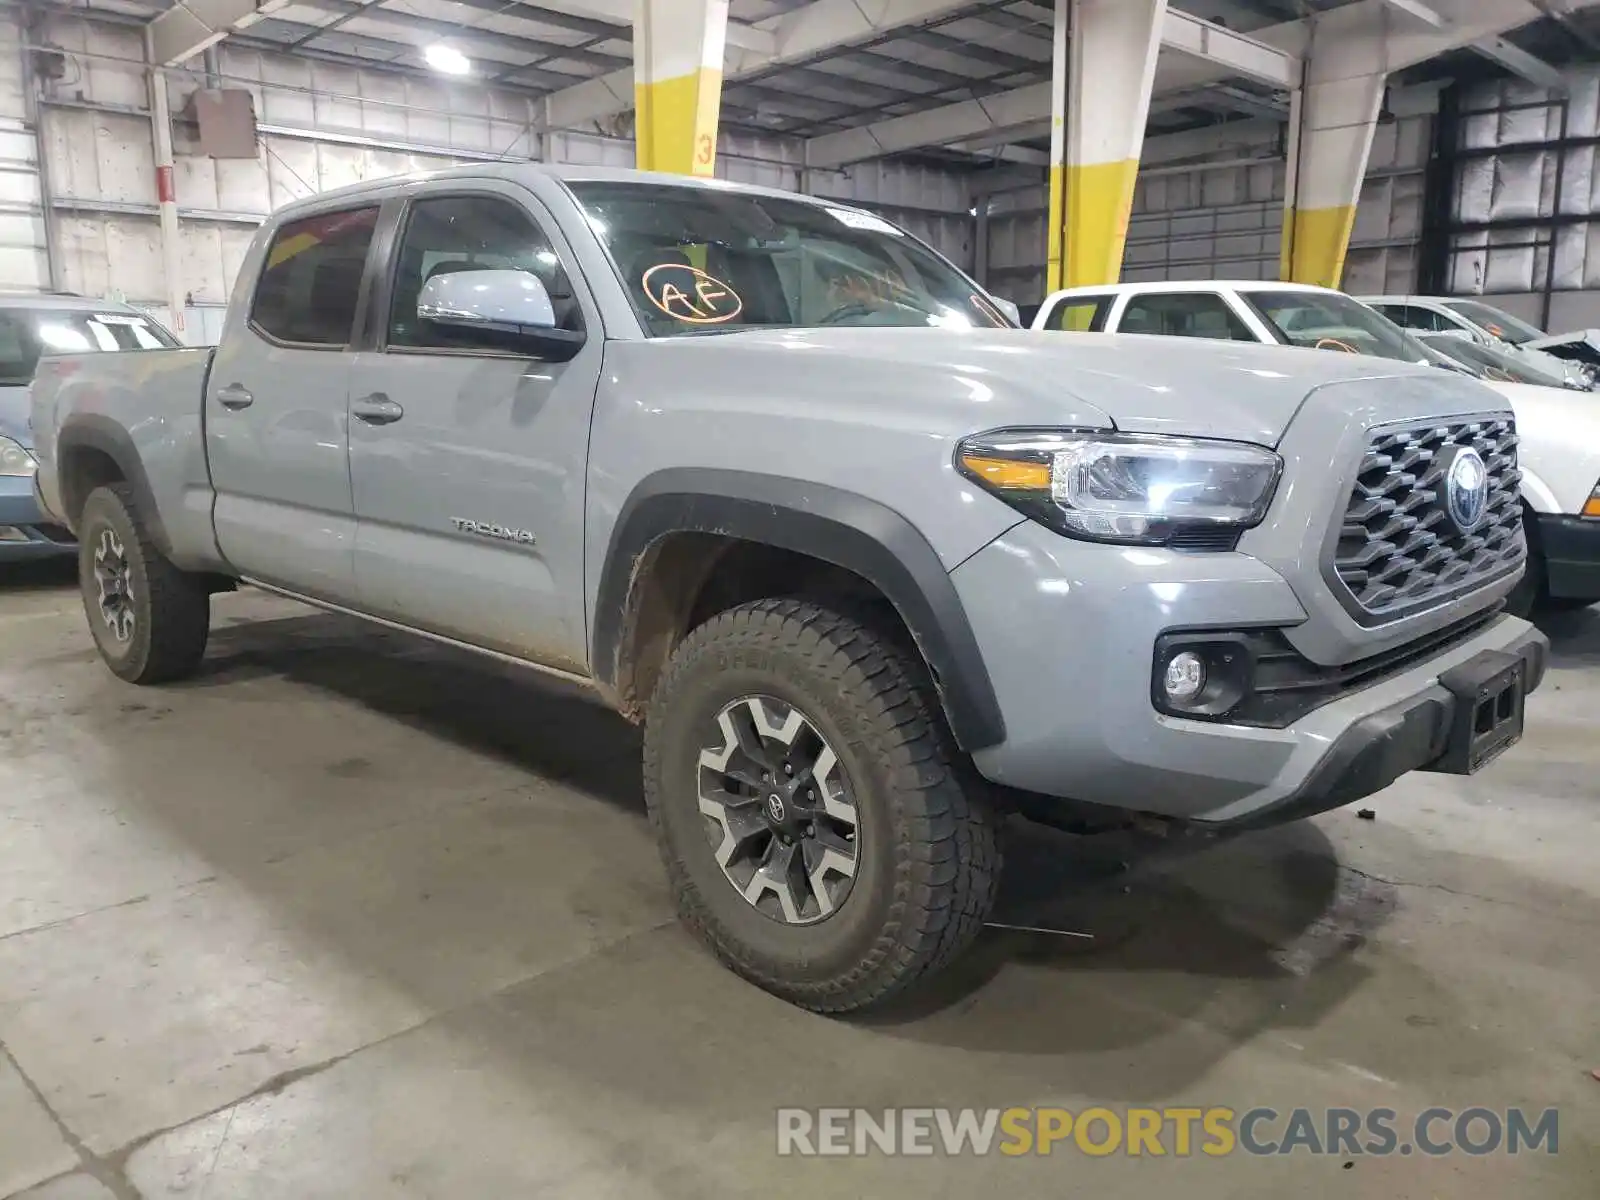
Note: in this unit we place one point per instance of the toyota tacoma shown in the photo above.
(872, 567)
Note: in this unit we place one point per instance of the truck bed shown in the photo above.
(146, 407)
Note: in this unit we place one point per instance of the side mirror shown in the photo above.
(1009, 307)
(504, 309)
(1461, 335)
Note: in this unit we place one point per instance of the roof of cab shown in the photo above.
(566, 172)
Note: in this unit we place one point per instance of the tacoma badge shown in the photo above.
(501, 533)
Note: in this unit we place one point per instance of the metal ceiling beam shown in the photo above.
(397, 52)
(1519, 62)
(1236, 54)
(188, 27)
(796, 36)
(1417, 10)
(351, 10)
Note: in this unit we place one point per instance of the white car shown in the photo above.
(1559, 428)
(1574, 354)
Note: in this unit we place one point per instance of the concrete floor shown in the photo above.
(352, 917)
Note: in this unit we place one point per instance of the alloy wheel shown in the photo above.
(779, 812)
(115, 583)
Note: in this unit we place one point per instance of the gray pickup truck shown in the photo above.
(873, 567)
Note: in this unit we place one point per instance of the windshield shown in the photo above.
(1332, 321)
(697, 260)
(1500, 324)
(27, 333)
(1491, 362)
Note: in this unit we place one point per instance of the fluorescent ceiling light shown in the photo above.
(447, 59)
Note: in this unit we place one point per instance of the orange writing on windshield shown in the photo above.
(688, 294)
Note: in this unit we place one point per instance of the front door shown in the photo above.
(276, 410)
(468, 462)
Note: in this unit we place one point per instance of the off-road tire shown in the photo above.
(171, 608)
(928, 847)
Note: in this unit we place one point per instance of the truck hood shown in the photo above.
(1189, 386)
(14, 415)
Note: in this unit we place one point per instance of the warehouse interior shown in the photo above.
(352, 914)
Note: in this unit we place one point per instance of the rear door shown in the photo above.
(276, 409)
(467, 461)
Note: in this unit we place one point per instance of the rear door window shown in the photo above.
(311, 282)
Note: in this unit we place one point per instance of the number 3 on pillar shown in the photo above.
(704, 146)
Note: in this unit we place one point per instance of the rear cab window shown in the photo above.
(310, 283)
(27, 334)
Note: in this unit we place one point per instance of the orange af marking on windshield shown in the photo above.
(688, 294)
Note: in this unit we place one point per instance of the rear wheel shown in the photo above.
(149, 619)
(809, 808)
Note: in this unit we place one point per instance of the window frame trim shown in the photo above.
(377, 341)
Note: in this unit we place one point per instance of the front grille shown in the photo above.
(1398, 549)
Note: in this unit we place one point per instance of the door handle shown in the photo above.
(377, 409)
(234, 397)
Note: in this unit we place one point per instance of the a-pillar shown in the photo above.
(1332, 122)
(1104, 68)
(677, 83)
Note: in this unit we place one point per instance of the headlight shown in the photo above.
(1119, 487)
(14, 460)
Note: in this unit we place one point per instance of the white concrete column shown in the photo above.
(1103, 71)
(166, 188)
(678, 47)
(1332, 122)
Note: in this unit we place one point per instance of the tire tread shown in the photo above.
(946, 872)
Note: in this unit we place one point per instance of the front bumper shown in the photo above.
(1571, 548)
(1068, 632)
(25, 533)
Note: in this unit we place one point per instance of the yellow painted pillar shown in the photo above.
(677, 83)
(1103, 70)
(1332, 122)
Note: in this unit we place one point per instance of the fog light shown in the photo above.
(1185, 677)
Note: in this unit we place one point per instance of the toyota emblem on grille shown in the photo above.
(1466, 489)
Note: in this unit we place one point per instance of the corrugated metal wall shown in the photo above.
(1519, 183)
(1222, 218)
(22, 257)
(321, 126)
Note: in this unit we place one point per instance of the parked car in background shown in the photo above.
(1575, 355)
(1559, 428)
(872, 566)
(31, 325)
(1498, 362)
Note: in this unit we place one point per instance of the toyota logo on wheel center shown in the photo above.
(775, 808)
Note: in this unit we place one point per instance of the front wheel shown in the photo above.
(809, 808)
(149, 619)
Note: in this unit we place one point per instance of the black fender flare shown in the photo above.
(839, 527)
(90, 431)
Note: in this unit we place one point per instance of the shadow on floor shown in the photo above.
(1574, 636)
(1120, 901)
(44, 575)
